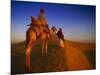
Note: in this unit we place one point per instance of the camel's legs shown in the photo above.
(46, 47)
(43, 47)
(28, 51)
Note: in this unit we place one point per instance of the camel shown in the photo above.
(31, 37)
(53, 30)
(60, 36)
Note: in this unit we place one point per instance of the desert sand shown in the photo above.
(74, 56)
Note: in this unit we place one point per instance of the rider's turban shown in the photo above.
(41, 10)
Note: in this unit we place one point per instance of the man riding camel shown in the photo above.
(42, 22)
(38, 30)
(61, 37)
(40, 25)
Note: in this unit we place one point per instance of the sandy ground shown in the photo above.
(75, 59)
(73, 56)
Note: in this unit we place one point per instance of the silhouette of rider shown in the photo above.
(60, 34)
(42, 22)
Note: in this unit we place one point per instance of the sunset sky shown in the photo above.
(77, 21)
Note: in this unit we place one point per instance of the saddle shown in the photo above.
(39, 29)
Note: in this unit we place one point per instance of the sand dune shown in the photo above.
(72, 57)
(81, 46)
(75, 59)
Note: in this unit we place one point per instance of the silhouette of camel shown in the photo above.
(39, 27)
